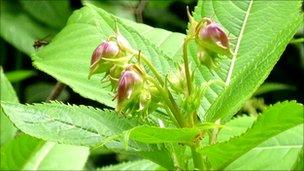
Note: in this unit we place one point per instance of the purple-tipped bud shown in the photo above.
(128, 80)
(213, 32)
(107, 49)
(210, 36)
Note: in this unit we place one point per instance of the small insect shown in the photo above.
(40, 42)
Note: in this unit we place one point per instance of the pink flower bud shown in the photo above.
(106, 49)
(127, 82)
(213, 32)
(210, 36)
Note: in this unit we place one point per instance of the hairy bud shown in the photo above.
(107, 49)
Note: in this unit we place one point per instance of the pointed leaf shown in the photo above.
(64, 123)
(276, 119)
(256, 45)
(7, 94)
(29, 153)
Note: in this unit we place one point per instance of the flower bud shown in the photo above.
(211, 36)
(107, 49)
(178, 80)
(122, 42)
(128, 82)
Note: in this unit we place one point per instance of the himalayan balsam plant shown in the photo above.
(171, 96)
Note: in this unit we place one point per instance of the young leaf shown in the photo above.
(19, 75)
(150, 134)
(54, 121)
(276, 119)
(133, 165)
(256, 46)
(29, 153)
(7, 94)
(270, 87)
(72, 51)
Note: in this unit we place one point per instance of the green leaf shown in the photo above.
(256, 46)
(283, 147)
(72, 51)
(274, 120)
(133, 165)
(67, 124)
(29, 153)
(7, 94)
(299, 164)
(19, 29)
(151, 134)
(269, 87)
(19, 75)
(51, 13)
(117, 8)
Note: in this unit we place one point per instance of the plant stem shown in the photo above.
(198, 159)
(299, 40)
(169, 102)
(58, 88)
(186, 63)
(139, 10)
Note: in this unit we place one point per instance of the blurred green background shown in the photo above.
(24, 22)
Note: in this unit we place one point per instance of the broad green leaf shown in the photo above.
(269, 87)
(29, 153)
(8, 94)
(256, 46)
(276, 119)
(51, 13)
(73, 46)
(277, 153)
(19, 29)
(133, 165)
(80, 125)
(67, 124)
(19, 75)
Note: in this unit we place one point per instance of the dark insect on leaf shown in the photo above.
(40, 42)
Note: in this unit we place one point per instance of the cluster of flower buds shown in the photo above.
(211, 40)
(113, 57)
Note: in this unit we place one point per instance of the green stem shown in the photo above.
(171, 103)
(186, 63)
(299, 40)
(168, 101)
